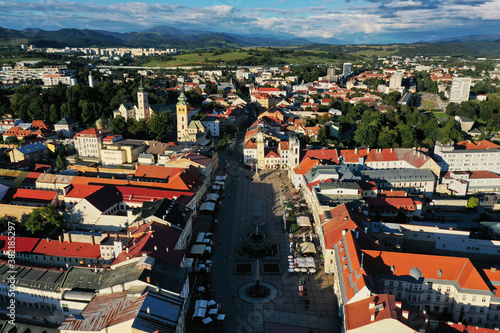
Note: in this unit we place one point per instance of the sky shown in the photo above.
(329, 21)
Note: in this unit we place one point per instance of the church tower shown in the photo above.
(294, 151)
(183, 116)
(142, 104)
(261, 163)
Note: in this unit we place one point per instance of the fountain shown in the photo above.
(257, 246)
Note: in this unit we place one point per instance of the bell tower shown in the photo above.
(183, 116)
(142, 103)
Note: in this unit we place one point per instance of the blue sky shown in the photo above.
(349, 21)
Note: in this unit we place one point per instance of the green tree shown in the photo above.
(322, 135)
(42, 219)
(160, 125)
(118, 125)
(473, 202)
(451, 109)
(12, 140)
(60, 162)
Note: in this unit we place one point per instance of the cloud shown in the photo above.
(358, 20)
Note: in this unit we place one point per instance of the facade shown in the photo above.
(413, 181)
(34, 152)
(183, 116)
(468, 156)
(346, 69)
(88, 143)
(66, 127)
(460, 89)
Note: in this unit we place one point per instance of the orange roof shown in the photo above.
(396, 203)
(449, 327)
(284, 145)
(359, 314)
(156, 172)
(272, 154)
(353, 156)
(93, 132)
(333, 227)
(250, 145)
(391, 193)
(305, 166)
(471, 145)
(434, 267)
(82, 191)
(330, 155)
(38, 124)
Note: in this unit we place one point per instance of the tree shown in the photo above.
(118, 125)
(60, 163)
(44, 218)
(473, 202)
(159, 125)
(451, 109)
(322, 135)
(12, 140)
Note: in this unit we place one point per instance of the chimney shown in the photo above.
(344, 232)
(92, 240)
(493, 269)
(156, 248)
(68, 236)
(48, 239)
(372, 317)
(406, 314)
(60, 239)
(398, 305)
(371, 305)
(148, 279)
(357, 234)
(167, 249)
(126, 249)
(147, 310)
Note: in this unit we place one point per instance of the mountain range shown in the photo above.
(161, 36)
(171, 37)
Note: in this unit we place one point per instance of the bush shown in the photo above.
(473, 202)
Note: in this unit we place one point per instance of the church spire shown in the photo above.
(182, 97)
(141, 85)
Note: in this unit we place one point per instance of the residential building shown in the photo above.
(468, 156)
(88, 143)
(460, 89)
(35, 198)
(383, 313)
(67, 127)
(33, 152)
(413, 181)
(346, 69)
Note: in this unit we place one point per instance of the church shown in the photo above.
(143, 110)
(189, 132)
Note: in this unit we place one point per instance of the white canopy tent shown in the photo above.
(308, 247)
(213, 197)
(198, 249)
(207, 206)
(305, 262)
(199, 312)
(303, 221)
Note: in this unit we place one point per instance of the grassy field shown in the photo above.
(428, 104)
(208, 58)
(377, 51)
(16, 59)
(440, 115)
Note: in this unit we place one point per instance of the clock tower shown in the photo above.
(183, 116)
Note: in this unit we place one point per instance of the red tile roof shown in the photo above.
(353, 156)
(38, 124)
(434, 267)
(36, 196)
(272, 154)
(93, 132)
(482, 174)
(414, 157)
(332, 228)
(324, 155)
(66, 249)
(250, 145)
(358, 314)
(22, 244)
(471, 145)
(82, 191)
(449, 327)
(284, 145)
(153, 235)
(305, 166)
(394, 204)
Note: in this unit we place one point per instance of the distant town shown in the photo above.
(338, 197)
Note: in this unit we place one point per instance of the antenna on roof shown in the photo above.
(362, 259)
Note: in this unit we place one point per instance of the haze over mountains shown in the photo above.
(171, 37)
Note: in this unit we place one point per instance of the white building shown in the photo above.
(468, 156)
(347, 69)
(88, 142)
(460, 89)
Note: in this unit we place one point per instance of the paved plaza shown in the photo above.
(288, 312)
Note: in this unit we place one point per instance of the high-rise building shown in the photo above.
(91, 81)
(330, 72)
(396, 80)
(460, 89)
(347, 69)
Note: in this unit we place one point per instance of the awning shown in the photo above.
(207, 206)
(220, 178)
(303, 221)
(207, 320)
(216, 187)
(308, 247)
(205, 142)
(212, 197)
(305, 262)
(198, 249)
(200, 237)
(199, 312)
(201, 303)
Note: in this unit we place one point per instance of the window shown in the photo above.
(391, 283)
(483, 300)
(400, 284)
(65, 307)
(448, 289)
(464, 297)
(496, 317)
(428, 297)
(473, 298)
(481, 310)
